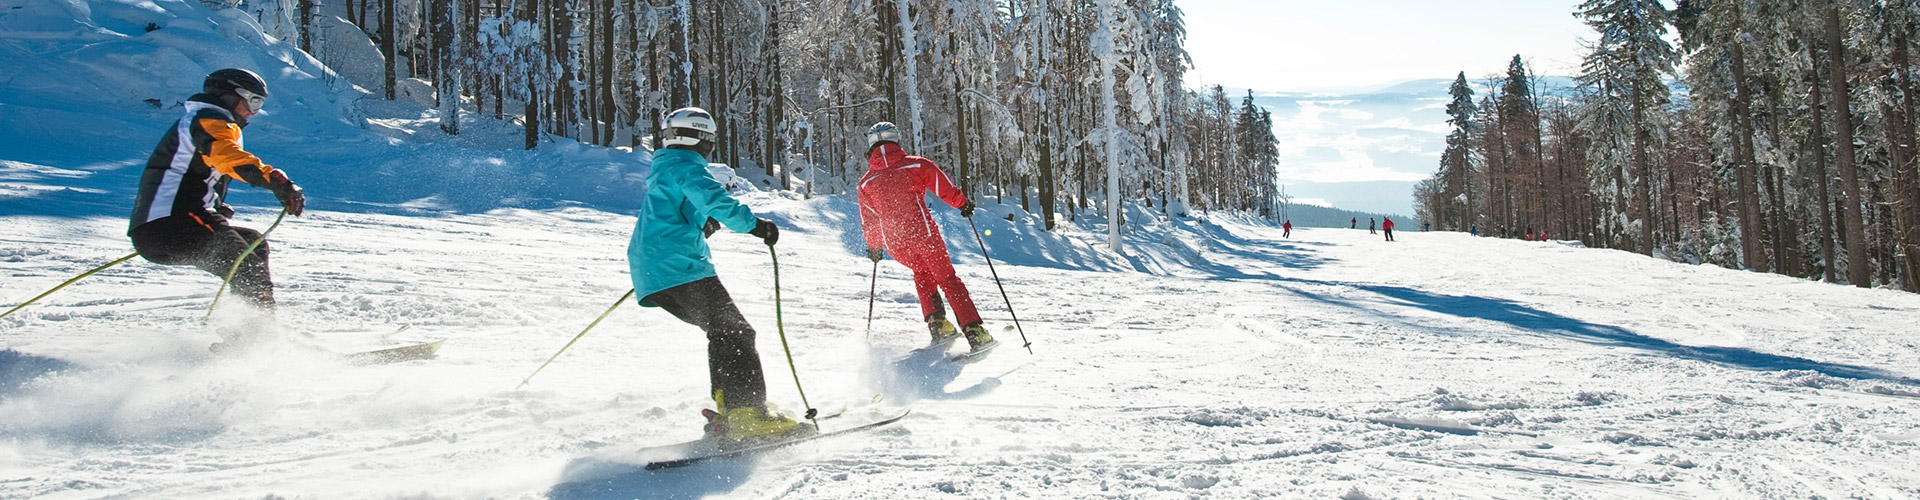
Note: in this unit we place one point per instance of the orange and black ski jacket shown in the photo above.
(188, 172)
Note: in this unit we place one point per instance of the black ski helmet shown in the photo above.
(228, 81)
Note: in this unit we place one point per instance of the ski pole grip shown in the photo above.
(812, 412)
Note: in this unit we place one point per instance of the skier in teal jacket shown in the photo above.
(673, 270)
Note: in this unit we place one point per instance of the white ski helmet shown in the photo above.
(689, 127)
(882, 132)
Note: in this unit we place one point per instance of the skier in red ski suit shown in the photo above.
(894, 218)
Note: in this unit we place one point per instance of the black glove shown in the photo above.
(288, 193)
(967, 209)
(710, 227)
(874, 254)
(766, 231)
(223, 210)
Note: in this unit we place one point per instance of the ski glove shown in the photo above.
(712, 225)
(766, 231)
(288, 193)
(967, 209)
(223, 210)
(874, 254)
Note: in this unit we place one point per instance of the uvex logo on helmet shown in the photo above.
(688, 128)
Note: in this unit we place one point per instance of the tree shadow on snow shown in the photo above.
(18, 368)
(1543, 322)
(595, 478)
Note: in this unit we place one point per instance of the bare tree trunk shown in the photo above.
(1822, 176)
(1851, 219)
(1900, 124)
(306, 25)
(532, 116)
(1752, 256)
(388, 43)
(446, 38)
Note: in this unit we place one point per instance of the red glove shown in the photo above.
(288, 193)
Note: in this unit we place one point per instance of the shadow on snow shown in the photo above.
(592, 478)
(19, 368)
(1539, 321)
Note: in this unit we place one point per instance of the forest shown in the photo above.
(1770, 136)
(1058, 104)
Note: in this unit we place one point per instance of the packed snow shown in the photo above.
(1214, 359)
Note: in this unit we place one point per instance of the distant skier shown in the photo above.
(894, 219)
(1354, 223)
(1286, 229)
(1387, 225)
(1473, 230)
(180, 215)
(1425, 226)
(1370, 226)
(672, 269)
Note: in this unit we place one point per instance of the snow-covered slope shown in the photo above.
(1214, 359)
(1255, 373)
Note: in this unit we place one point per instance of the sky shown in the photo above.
(1318, 66)
(1344, 45)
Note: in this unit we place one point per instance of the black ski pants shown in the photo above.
(211, 245)
(733, 363)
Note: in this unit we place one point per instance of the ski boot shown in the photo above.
(750, 425)
(942, 330)
(978, 339)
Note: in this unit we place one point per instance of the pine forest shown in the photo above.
(1050, 103)
(1772, 136)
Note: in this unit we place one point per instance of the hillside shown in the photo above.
(1212, 358)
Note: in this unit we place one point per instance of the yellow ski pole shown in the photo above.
(69, 282)
(242, 258)
(576, 338)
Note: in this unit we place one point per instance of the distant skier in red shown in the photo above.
(1286, 230)
(894, 218)
(1387, 224)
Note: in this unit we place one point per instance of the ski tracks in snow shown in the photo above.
(1259, 371)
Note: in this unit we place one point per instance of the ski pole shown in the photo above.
(242, 258)
(780, 325)
(1003, 288)
(576, 338)
(37, 298)
(871, 290)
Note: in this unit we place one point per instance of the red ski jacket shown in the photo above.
(893, 209)
(1388, 225)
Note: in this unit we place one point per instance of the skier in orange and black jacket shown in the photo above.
(180, 216)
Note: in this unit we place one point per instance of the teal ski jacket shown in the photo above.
(668, 248)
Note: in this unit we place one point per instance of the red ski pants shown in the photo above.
(933, 275)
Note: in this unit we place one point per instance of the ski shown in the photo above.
(976, 353)
(701, 451)
(1444, 426)
(425, 350)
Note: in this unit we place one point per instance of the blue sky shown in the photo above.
(1343, 45)
(1316, 62)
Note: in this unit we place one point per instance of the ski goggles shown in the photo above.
(254, 101)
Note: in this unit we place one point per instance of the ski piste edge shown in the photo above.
(715, 455)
